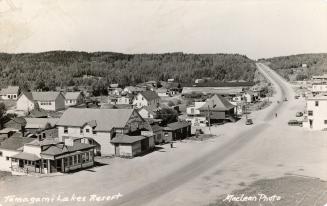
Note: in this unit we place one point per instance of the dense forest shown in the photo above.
(299, 67)
(66, 68)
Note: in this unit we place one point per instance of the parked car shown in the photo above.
(248, 122)
(285, 100)
(296, 96)
(299, 114)
(295, 123)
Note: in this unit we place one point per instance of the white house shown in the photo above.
(162, 92)
(146, 98)
(10, 147)
(98, 126)
(194, 110)
(11, 92)
(126, 99)
(193, 115)
(73, 98)
(315, 117)
(319, 88)
(50, 101)
(148, 112)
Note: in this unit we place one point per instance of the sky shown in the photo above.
(256, 28)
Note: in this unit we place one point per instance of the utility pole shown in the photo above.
(209, 119)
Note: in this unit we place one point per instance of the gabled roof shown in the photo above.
(126, 139)
(32, 123)
(217, 103)
(9, 90)
(45, 96)
(60, 148)
(72, 95)
(15, 142)
(106, 119)
(149, 95)
(177, 125)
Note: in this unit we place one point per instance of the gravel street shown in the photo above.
(195, 172)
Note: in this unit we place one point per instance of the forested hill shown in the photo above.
(66, 68)
(299, 67)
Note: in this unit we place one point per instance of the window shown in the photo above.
(65, 130)
(44, 163)
(87, 130)
(325, 121)
(7, 158)
(310, 113)
(70, 161)
(316, 103)
(86, 157)
(81, 131)
(1, 154)
(75, 159)
(94, 132)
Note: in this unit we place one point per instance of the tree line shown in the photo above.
(49, 70)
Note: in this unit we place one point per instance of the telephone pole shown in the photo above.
(209, 119)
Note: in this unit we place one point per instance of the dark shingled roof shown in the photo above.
(217, 103)
(15, 142)
(106, 119)
(177, 125)
(126, 139)
(59, 149)
(149, 95)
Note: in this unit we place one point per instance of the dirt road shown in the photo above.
(194, 173)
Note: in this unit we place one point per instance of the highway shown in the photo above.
(149, 192)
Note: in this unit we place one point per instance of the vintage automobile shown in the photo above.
(299, 114)
(249, 121)
(295, 123)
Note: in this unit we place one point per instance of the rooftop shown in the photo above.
(177, 125)
(72, 95)
(126, 139)
(106, 119)
(9, 90)
(15, 142)
(217, 103)
(149, 95)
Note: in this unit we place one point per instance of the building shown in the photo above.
(131, 146)
(319, 88)
(318, 79)
(194, 116)
(34, 125)
(315, 117)
(99, 126)
(73, 98)
(148, 112)
(10, 147)
(49, 101)
(146, 98)
(11, 92)
(162, 92)
(177, 131)
(51, 156)
(126, 99)
(133, 90)
(218, 109)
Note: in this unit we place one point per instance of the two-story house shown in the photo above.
(50, 101)
(315, 117)
(146, 98)
(99, 126)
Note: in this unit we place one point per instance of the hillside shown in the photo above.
(290, 67)
(65, 68)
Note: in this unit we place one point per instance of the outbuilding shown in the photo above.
(131, 146)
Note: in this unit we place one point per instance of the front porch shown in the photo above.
(30, 164)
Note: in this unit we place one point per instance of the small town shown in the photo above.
(156, 103)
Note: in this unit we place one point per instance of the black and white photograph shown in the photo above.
(163, 102)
